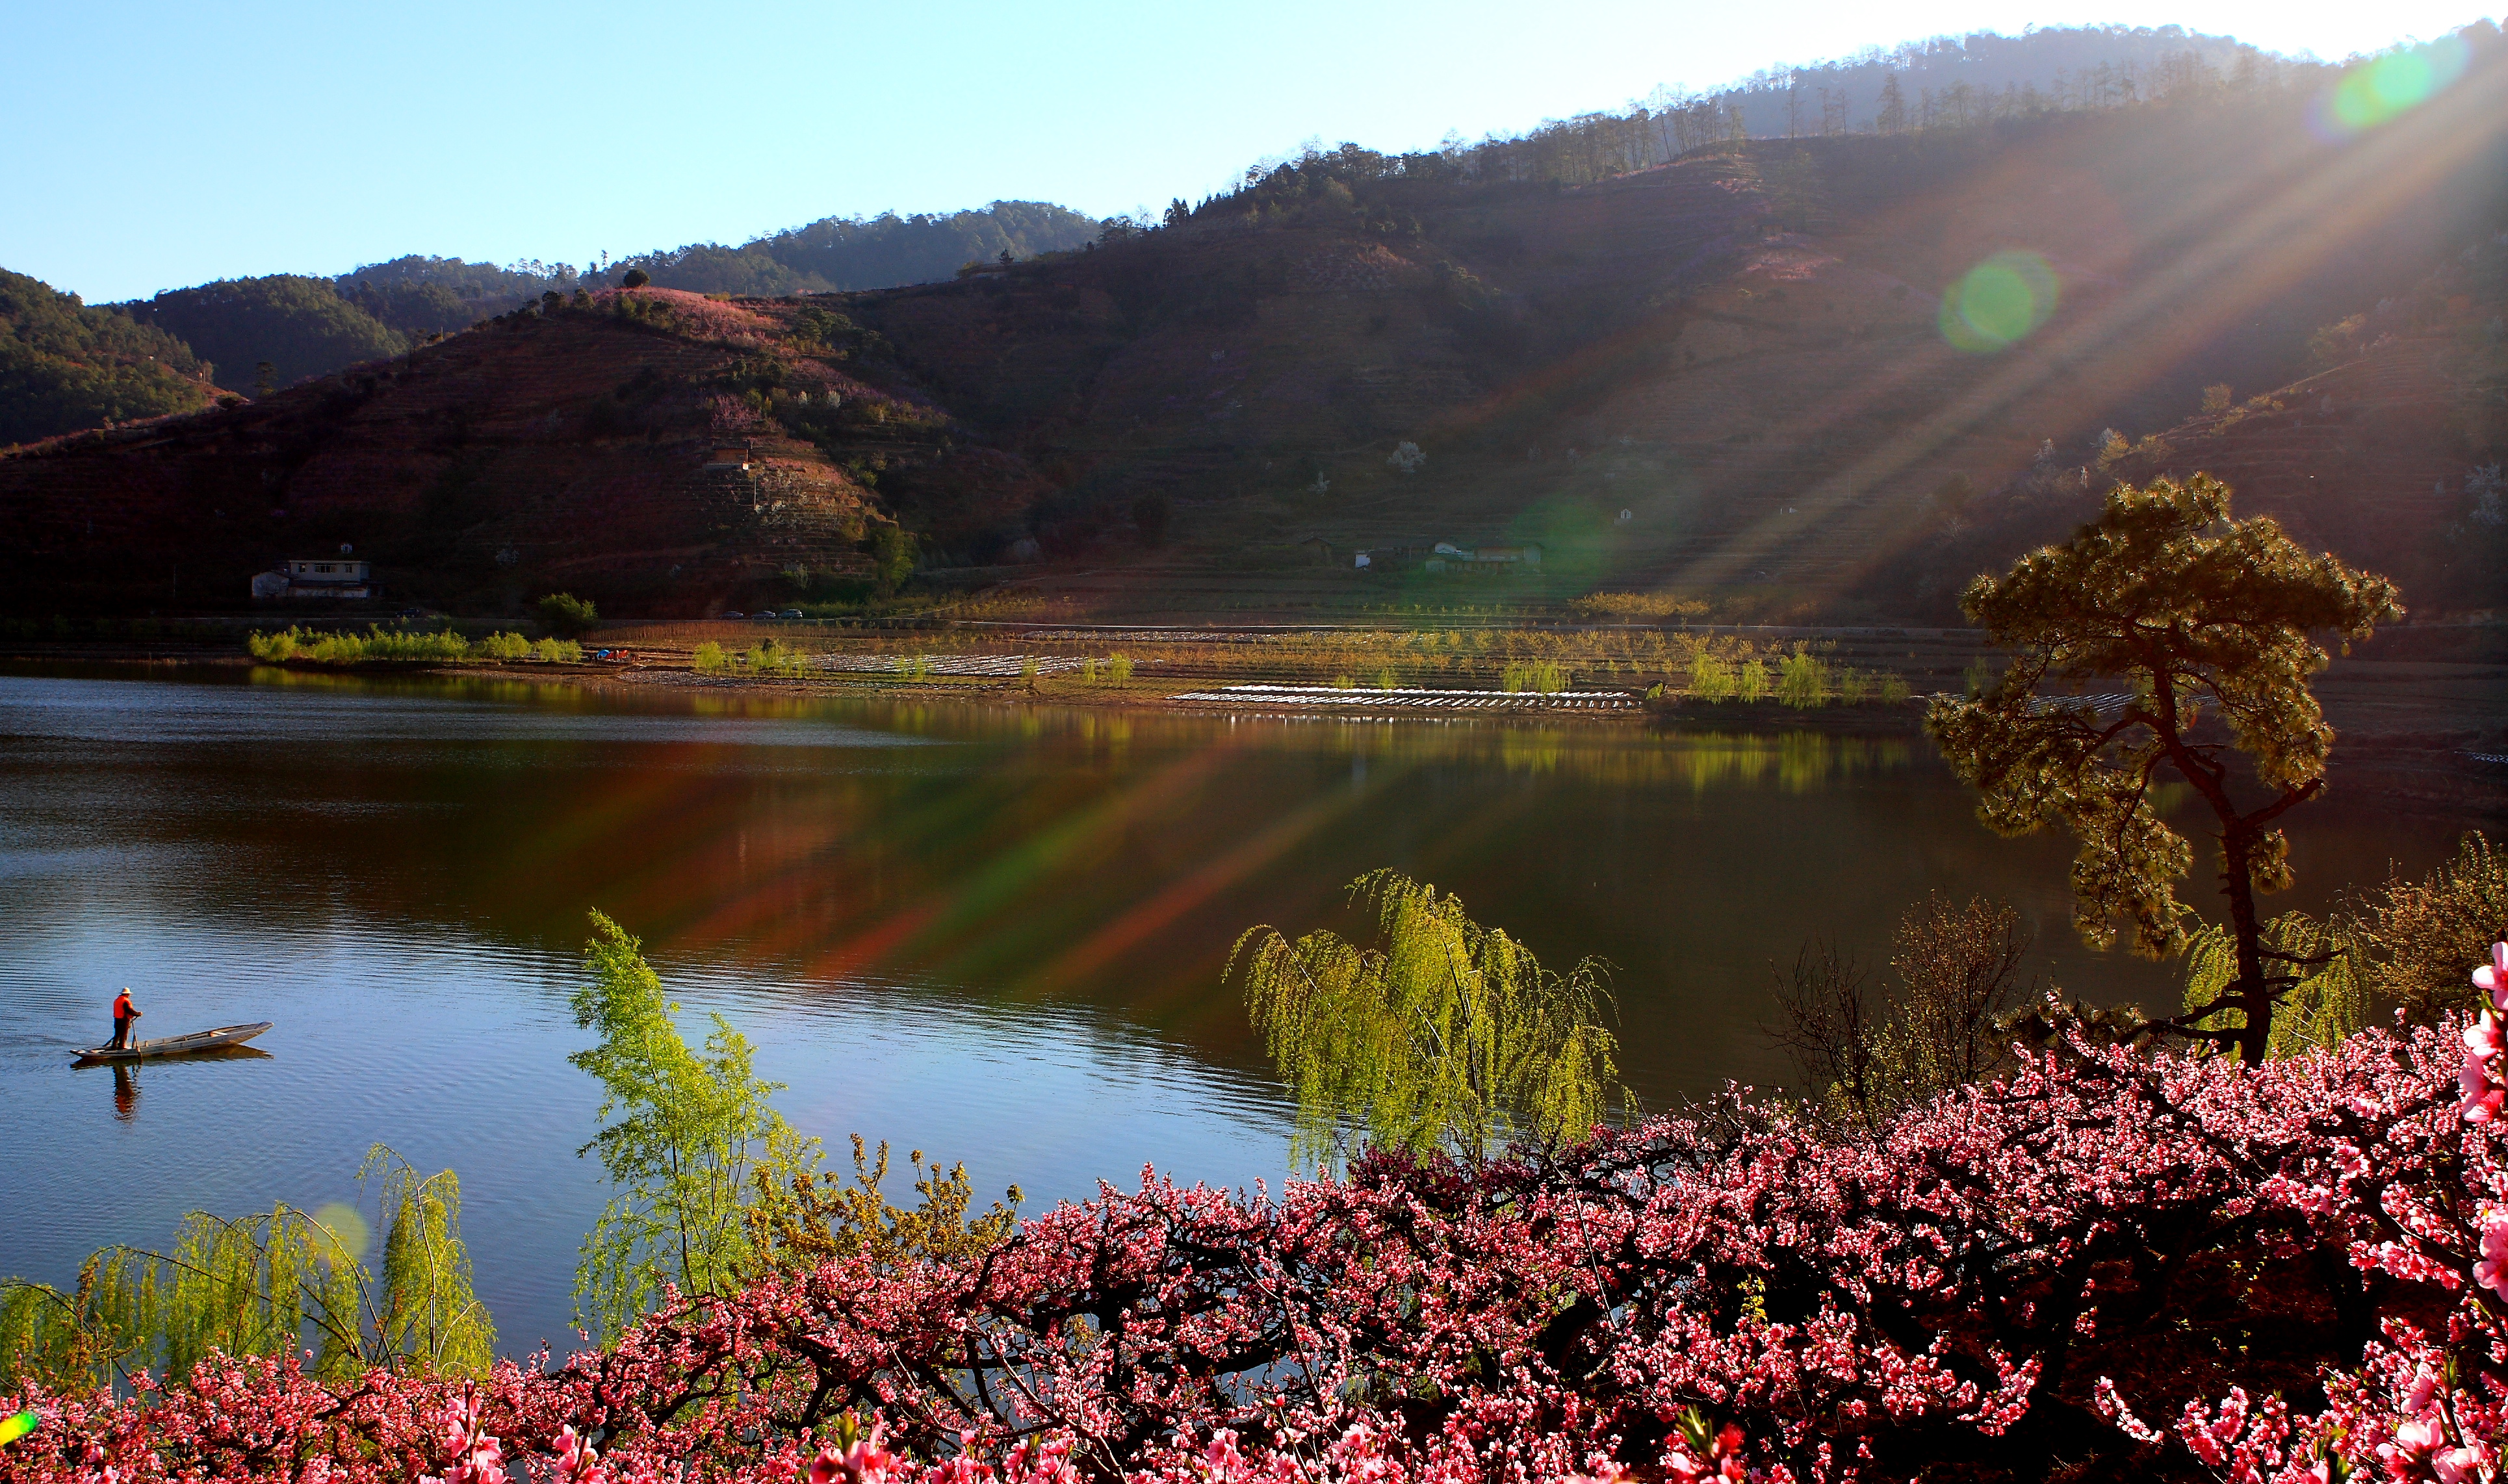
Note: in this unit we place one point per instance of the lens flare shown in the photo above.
(2393, 85)
(15, 1428)
(346, 1228)
(1999, 302)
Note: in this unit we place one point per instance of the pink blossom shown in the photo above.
(2481, 1092)
(2492, 978)
(2093, 1239)
(2484, 1037)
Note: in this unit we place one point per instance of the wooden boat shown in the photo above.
(176, 1045)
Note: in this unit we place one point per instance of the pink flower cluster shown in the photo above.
(2479, 1078)
(2011, 1274)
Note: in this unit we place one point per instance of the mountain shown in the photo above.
(851, 253)
(569, 445)
(1830, 376)
(303, 326)
(65, 366)
(420, 296)
(295, 326)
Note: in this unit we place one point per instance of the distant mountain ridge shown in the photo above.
(66, 366)
(2068, 67)
(882, 252)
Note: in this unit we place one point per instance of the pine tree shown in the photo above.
(1892, 119)
(2198, 613)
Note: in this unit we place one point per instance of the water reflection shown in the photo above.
(989, 931)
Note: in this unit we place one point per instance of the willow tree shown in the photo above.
(263, 1284)
(2209, 621)
(1442, 1033)
(689, 1141)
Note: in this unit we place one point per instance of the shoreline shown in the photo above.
(2427, 733)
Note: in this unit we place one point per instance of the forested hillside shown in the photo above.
(293, 326)
(851, 253)
(420, 296)
(1959, 78)
(64, 366)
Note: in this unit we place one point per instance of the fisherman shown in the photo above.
(124, 1013)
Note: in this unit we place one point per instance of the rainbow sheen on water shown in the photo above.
(2391, 86)
(15, 1428)
(1999, 302)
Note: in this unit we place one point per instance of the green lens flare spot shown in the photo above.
(348, 1230)
(1999, 302)
(15, 1428)
(2391, 86)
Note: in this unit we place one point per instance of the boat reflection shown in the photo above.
(174, 1059)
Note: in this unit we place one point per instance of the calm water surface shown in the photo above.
(993, 935)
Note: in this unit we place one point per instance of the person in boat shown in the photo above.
(124, 1013)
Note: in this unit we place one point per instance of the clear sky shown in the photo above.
(152, 146)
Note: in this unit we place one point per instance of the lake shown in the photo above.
(992, 934)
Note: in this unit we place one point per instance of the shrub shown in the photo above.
(567, 615)
(1751, 680)
(558, 652)
(1638, 605)
(505, 646)
(709, 659)
(1866, 1051)
(1711, 678)
(2417, 934)
(1120, 668)
(1803, 680)
(813, 1219)
(271, 648)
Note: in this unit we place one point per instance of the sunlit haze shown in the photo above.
(162, 145)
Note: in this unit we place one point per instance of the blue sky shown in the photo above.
(159, 145)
